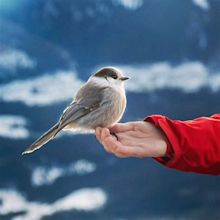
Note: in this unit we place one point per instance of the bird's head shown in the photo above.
(110, 75)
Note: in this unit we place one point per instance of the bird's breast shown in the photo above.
(113, 109)
(109, 112)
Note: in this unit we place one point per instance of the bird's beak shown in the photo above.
(124, 78)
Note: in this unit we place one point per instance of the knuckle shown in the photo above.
(136, 127)
(107, 148)
(119, 155)
(136, 154)
(120, 151)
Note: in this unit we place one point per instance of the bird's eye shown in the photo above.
(113, 75)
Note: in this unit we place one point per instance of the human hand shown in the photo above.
(133, 139)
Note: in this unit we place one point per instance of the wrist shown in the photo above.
(166, 153)
(161, 143)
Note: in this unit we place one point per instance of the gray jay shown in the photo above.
(100, 102)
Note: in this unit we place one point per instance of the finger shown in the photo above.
(127, 151)
(98, 133)
(120, 155)
(137, 134)
(110, 143)
(126, 135)
(128, 140)
(107, 139)
(121, 127)
(107, 148)
(120, 150)
(104, 133)
(114, 135)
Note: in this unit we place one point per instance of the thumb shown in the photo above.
(121, 127)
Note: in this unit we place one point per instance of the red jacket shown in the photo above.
(192, 146)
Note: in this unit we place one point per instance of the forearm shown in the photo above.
(193, 146)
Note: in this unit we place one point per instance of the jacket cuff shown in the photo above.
(172, 152)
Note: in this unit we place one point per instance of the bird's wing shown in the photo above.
(88, 99)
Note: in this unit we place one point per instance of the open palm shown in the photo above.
(133, 139)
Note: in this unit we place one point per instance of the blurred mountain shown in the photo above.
(102, 31)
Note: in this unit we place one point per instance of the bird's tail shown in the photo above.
(46, 137)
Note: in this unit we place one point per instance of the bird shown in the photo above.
(100, 102)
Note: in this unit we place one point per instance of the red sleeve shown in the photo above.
(192, 146)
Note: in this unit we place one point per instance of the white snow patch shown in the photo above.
(82, 167)
(85, 199)
(188, 77)
(203, 4)
(61, 86)
(48, 175)
(13, 59)
(12, 126)
(43, 90)
(130, 4)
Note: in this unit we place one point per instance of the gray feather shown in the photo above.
(46, 137)
(86, 101)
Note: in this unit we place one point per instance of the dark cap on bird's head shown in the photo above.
(111, 72)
